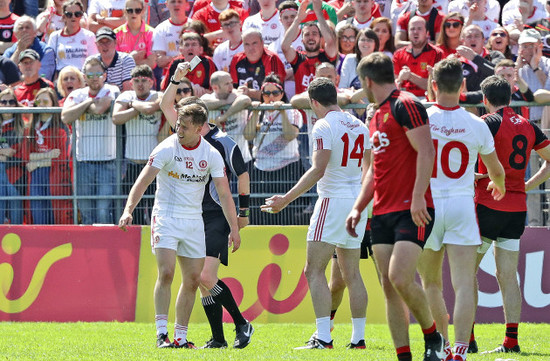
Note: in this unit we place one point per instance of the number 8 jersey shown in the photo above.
(347, 138)
(458, 136)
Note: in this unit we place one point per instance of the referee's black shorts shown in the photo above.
(216, 231)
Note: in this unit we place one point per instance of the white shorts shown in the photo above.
(185, 236)
(328, 223)
(506, 244)
(455, 223)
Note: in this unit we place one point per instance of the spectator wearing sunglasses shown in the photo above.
(118, 64)
(449, 36)
(29, 66)
(500, 41)
(108, 13)
(89, 109)
(72, 44)
(139, 110)
(135, 37)
(7, 21)
(51, 19)
(25, 31)
(232, 120)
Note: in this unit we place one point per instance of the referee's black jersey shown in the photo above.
(234, 163)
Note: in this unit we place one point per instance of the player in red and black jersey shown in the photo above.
(411, 62)
(305, 63)
(249, 68)
(200, 76)
(502, 223)
(398, 180)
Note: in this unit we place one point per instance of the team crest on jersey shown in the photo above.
(386, 116)
(424, 66)
(203, 164)
(199, 73)
(273, 26)
(83, 42)
(6, 34)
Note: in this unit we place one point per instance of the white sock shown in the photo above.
(323, 328)
(180, 334)
(161, 322)
(332, 324)
(358, 331)
(461, 349)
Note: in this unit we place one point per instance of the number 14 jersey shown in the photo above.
(458, 136)
(347, 138)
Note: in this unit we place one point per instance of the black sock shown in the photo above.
(222, 295)
(214, 313)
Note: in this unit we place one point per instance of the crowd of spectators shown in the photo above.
(107, 62)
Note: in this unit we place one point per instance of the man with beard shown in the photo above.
(304, 63)
(411, 62)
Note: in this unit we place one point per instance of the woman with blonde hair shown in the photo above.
(69, 79)
(12, 173)
(47, 155)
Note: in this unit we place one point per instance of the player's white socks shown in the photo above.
(180, 334)
(358, 331)
(323, 328)
(332, 324)
(161, 322)
(461, 349)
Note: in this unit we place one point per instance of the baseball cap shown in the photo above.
(105, 32)
(529, 36)
(29, 53)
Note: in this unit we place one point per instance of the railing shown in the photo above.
(297, 213)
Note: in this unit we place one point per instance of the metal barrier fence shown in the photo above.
(89, 180)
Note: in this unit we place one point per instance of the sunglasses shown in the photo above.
(275, 93)
(349, 38)
(10, 102)
(136, 11)
(502, 35)
(183, 91)
(454, 24)
(77, 14)
(94, 75)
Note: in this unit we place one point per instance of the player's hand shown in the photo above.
(243, 222)
(125, 221)
(234, 240)
(498, 192)
(419, 212)
(274, 204)
(181, 71)
(351, 222)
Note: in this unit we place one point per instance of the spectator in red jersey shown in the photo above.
(304, 63)
(383, 29)
(411, 62)
(428, 12)
(500, 41)
(198, 27)
(249, 68)
(29, 66)
(69, 79)
(190, 47)
(7, 20)
(450, 35)
(135, 37)
(47, 149)
(210, 14)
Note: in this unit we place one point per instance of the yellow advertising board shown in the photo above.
(266, 278)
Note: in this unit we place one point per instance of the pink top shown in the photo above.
(126, 42)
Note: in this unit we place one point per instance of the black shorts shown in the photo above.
(494, 224)
(366, 247)
(392, 227)
(216, 231)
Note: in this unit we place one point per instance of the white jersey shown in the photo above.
(271, 29)
(234, 127)
(224, 54)
(459, 136)
(487, 26)
(166, 37)
(492, 8)
(107, 8)
(143, 129)
(347, 138)
(72, 49)
(183, 175)
(95, 133)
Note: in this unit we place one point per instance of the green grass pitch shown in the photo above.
(136, 341)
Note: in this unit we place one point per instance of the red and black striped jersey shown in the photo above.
(515, 138)
(243, 72)
(394, 156)
(304, 68)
